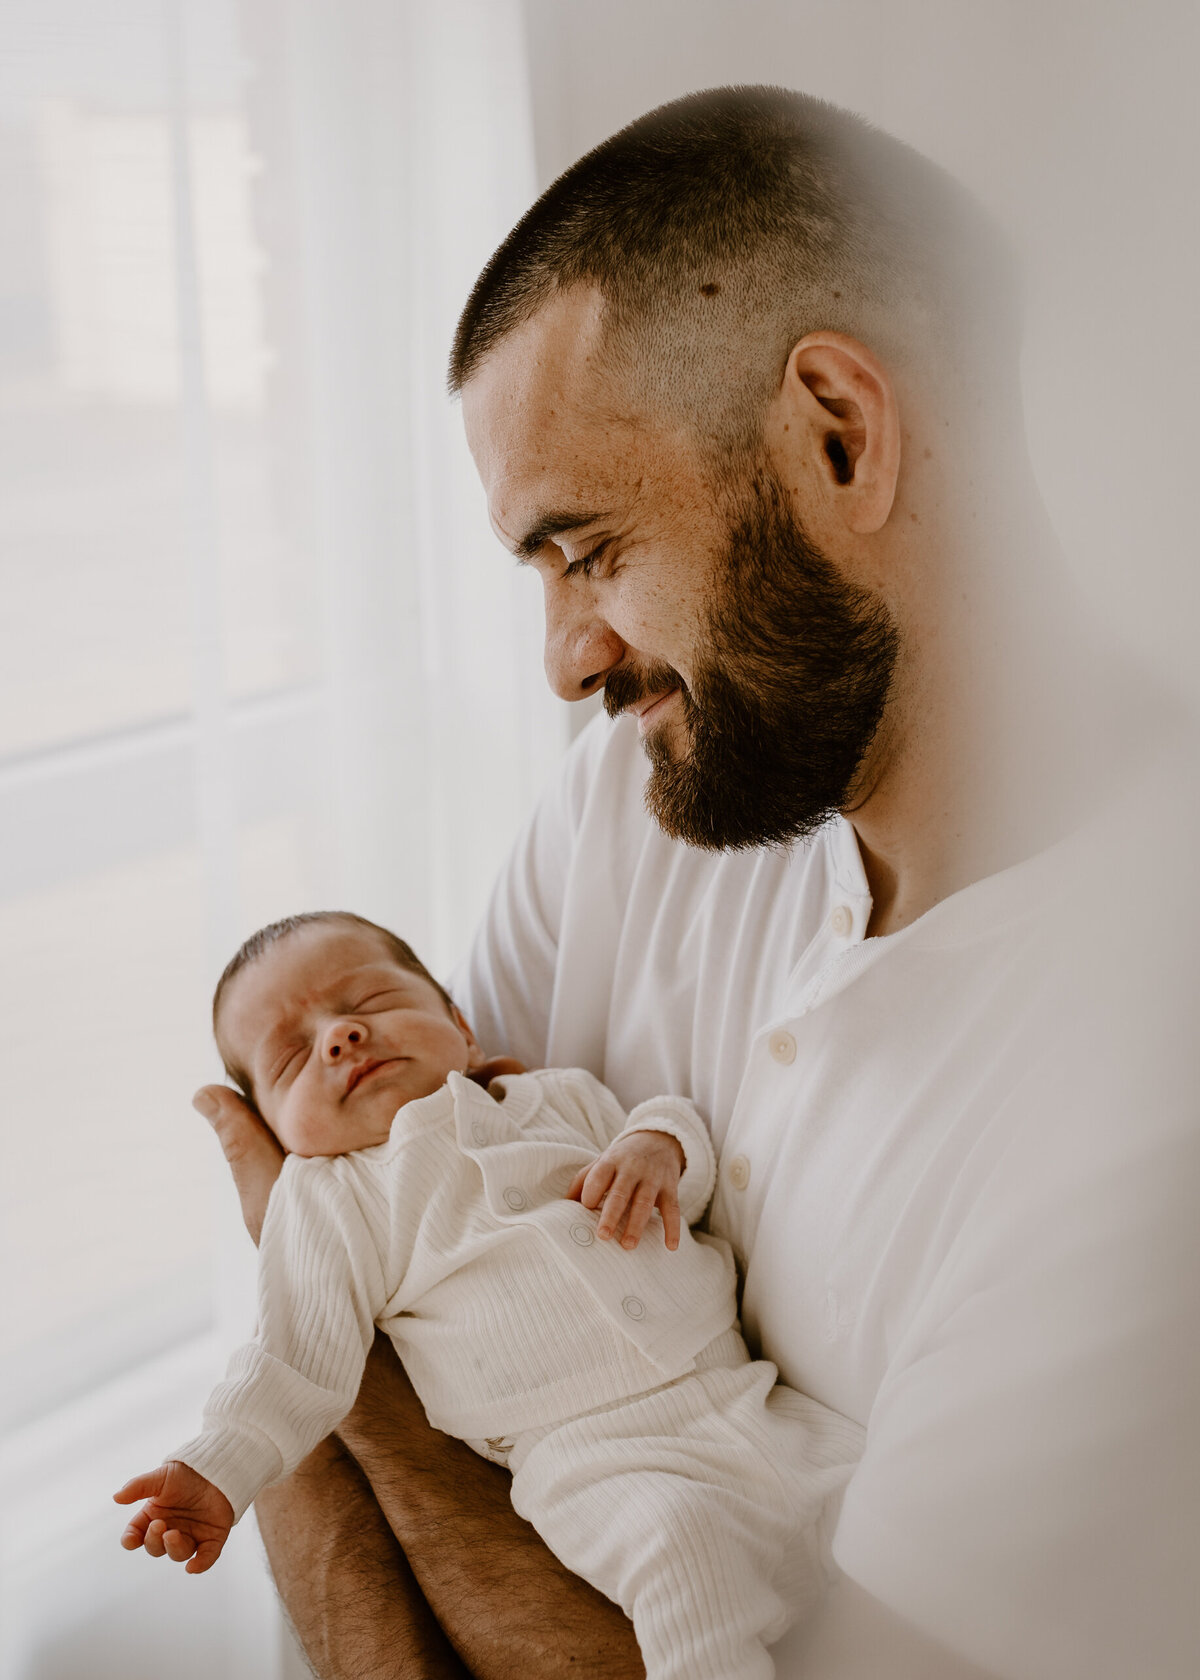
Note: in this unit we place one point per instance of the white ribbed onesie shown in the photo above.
(653, 1456)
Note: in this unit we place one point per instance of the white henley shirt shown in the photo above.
(958, 1168)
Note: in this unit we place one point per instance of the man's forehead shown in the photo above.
(560, 344)
(541, 418)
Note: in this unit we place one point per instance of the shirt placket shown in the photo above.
(832, 959)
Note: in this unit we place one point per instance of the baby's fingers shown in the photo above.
(178, 1546)
(668, 1206)
(640, 1209)
(145, 1486)
(615, 1203)
(134, 1532)
(207, 1553)
(596, 1182)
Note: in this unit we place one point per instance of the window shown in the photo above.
(252, 610)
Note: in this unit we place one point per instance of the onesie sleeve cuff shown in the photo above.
(238, 1467)
(677, 1117)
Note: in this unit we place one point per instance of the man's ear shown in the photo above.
(839, 406)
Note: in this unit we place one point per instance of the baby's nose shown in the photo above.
(341, 1037)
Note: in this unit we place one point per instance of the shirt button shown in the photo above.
(842, 921)
(782, 1047)
(632, 1307)
(583, 1235)
(478, 1134)
(739, 1172)
(515, 1198)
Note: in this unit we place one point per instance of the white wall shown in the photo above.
(1077, 122)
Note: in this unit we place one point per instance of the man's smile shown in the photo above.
(648, 712)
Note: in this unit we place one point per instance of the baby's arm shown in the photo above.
(320, 1289)
(185, 1517)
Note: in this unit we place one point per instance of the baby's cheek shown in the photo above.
(297, 1129)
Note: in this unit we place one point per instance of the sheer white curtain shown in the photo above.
(258, 652)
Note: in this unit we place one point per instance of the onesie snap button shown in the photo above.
(515, 1198)
(842, 920)
(583, 1235)
(782, 1047)
(478, 1133)
(632, 1307)
(739, 1172)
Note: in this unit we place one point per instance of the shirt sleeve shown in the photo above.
(321, 1286)
(505, 987)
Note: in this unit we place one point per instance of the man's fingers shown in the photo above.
(495, 1068)
(253, 1155)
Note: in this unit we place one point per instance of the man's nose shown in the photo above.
(341, 1038)
(581, 647)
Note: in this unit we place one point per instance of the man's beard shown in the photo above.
(790, 683)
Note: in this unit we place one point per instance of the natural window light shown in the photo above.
(246, 618)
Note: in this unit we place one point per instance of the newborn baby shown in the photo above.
(655, 1458)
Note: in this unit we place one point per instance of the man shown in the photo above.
(742, 387)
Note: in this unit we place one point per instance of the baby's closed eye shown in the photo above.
(287, 1063)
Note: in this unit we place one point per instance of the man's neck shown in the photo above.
(1008, 726)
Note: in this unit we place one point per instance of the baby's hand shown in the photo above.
(637, 1173)
(183, 1514)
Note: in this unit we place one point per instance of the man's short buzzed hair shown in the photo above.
(723, 227)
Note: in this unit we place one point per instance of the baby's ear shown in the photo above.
(475, 1056)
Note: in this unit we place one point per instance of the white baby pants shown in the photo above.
(702, 1508)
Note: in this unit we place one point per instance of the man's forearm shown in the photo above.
(505, 1602)
(351, 1596)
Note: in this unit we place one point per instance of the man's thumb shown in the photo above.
(231, 1117)
(253, 1154)
(207, 1101)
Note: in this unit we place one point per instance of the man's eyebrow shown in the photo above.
(552, 525)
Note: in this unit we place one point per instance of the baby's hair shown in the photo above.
(253, 948)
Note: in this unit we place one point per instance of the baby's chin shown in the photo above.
(339, 1140)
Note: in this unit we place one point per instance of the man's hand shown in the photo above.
(184, 1518)
(250, 1148)
(495, 1068)
(636, 1174)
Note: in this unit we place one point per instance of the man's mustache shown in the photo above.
(627, 684)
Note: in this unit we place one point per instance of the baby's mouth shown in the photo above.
(359, 1073)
